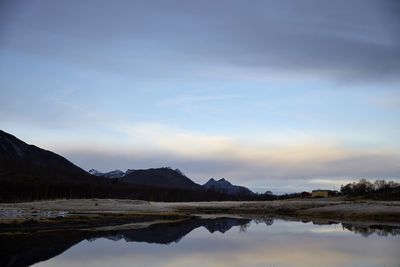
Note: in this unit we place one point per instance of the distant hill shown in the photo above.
(160, 177)
(223, 186)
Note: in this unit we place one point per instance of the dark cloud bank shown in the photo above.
(343, 40)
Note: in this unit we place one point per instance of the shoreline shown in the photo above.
(97, 213)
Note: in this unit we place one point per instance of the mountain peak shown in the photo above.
(161, 177)
(224, 186)
(121, 174)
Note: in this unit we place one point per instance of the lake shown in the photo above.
(207, 242)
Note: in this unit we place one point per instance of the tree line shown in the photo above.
(378, 190)
(16, 187)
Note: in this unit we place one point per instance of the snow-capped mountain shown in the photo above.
(114, 174)
(223, 186)
(130, 173)
(111, 174)
(95, 172)
(161, 177)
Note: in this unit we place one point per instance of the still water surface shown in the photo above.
(230, 242)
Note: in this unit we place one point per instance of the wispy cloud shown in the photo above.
(340, 40)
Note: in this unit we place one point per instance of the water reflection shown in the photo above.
(380, 230)
(256, 242)
(166, 233)
(28, 248)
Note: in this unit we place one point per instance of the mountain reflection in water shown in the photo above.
(29, 248)
(166, 233)
(25, 249)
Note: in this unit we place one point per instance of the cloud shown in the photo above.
(340, 40)
(302, 165)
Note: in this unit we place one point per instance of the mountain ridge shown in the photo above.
(162, 177)
(28, 173)
(120, 174)
(224, 186)
(16, 156)
(110, 174)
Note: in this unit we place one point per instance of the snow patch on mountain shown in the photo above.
(114, 174)
(120, 174)
(95, 172)
(111, 174)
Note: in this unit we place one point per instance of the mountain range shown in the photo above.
(120, 174)
(160, 177)
(168, 177)
(28, 172)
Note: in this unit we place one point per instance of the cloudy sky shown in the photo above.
(274, 95)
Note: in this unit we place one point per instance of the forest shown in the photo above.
(16, 188)
(378, 190)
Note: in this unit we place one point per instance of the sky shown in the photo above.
(273, 95)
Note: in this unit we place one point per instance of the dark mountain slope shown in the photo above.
(28, 172)
(20, 159)
(160, 177)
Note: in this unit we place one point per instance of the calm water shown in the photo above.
(226, 242)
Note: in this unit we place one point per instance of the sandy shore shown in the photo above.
(104, 212)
